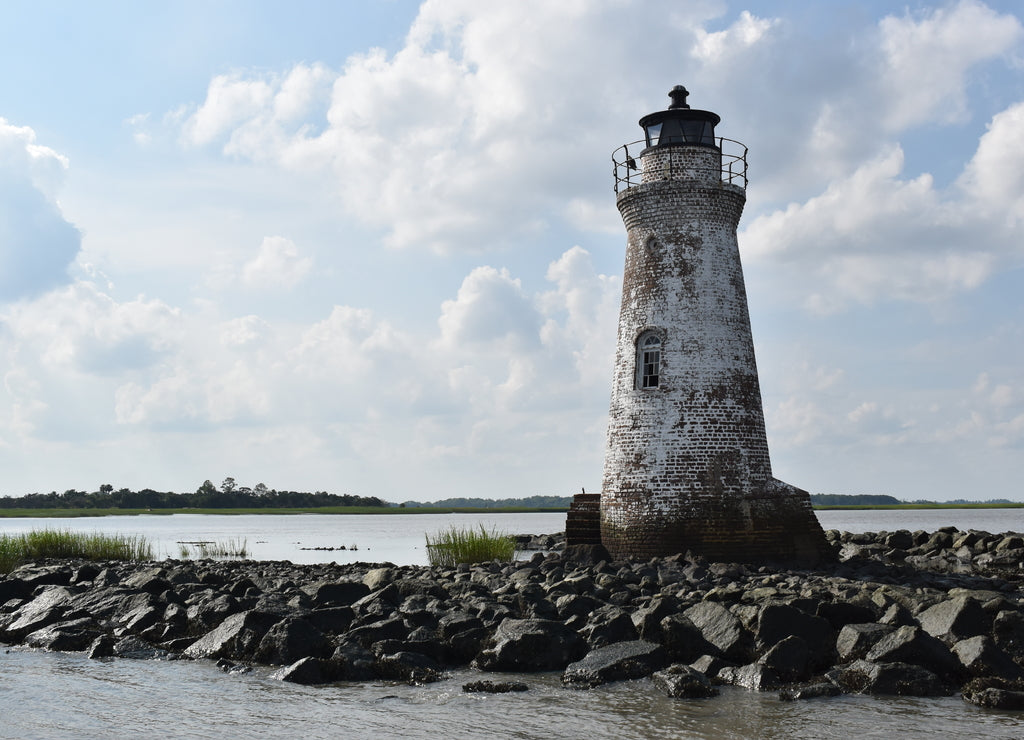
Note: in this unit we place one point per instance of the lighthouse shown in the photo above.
(686, 463)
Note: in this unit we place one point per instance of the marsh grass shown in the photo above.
(457, 545)
(219, 550)
(53, 543)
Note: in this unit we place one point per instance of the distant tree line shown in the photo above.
(530, 502)
(207, 496)
(841, 499)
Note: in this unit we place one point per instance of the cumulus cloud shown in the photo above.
(278, 265)
(926, 56)
(36, 242)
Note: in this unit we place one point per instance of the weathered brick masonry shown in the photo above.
(687, 464)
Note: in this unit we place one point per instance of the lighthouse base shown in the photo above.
(773, 524)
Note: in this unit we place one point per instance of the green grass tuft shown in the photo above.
(456, 545)
(51, 543)
(220, 550)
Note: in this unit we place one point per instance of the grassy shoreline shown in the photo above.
(358, 510)
(340, 510)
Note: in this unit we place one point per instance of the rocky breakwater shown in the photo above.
(897, 613)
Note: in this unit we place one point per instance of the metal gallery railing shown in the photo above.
(628, 169)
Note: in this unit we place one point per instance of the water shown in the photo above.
(400, 538)
(57, 695)
(395, 538)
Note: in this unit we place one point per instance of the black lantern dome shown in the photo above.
(680, 124)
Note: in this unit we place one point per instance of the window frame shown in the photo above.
(648, 342)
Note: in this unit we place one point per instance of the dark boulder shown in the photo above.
(71, 636)
(344, 593)
(899, 679)
(994, 693)
(855, 640)
(617, 662)
(754, 676)
(307, 671)
(790, 658)
(914, 645)
(980, 656)
(136, 648)
(51, 604)
(682, 681)
(235, 638)
(681, 637)
(955, 619)
(351, 662)
(493, 687)
(411, 667)
(531, 645)
(776, 622)
(809, 691)
(723, 629)
(332, 620)
(608, 625)
(289, 640)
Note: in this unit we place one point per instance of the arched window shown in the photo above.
(648, 360)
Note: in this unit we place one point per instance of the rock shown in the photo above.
(682, 681)
(955, 619)
(493, 687)
(307, 671)
(682, 639)
(289, 640)
(994, 693)
(1008, 632)
(351, 662)
(378, 578)
(623, 660)
(790, 658)
(647, 620)
(101, 647)
(344, 593)
(136, 648)
(755, 676)
(980, 656)
(393, 628)
(49, 606)
(776, 622)
(841, 613)
(531, 645)
(71, 636)
(855, 640)
(997, 699)
(607, 626)
(709, 665)
(900, 679)
(332, 620)
(235, 638)
(414, 668)
(721, 628)
(810, 691)
(914, 645)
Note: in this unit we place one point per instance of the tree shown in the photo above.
(229, 485)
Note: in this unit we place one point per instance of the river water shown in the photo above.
(61, 695)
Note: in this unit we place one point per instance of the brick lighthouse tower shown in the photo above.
(686, 464)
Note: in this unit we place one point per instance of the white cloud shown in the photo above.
(746, 32)
(278, 265)
(925, 59)
(36, 242)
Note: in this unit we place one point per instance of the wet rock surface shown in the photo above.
(906, 613)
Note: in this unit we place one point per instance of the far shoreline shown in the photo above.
(400, 510)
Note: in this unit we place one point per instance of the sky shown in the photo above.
(372, 247)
